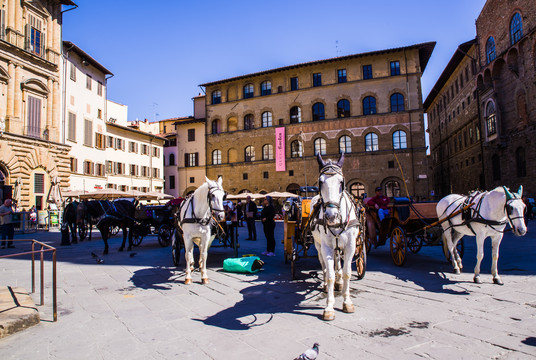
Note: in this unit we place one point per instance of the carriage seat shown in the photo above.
(402, 207)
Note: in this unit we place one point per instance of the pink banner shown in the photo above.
(280, 149)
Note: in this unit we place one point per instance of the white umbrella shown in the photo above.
(277, 195)
(54, 194)
(244, 196)
(159, 195)
(105, 194)
(74, 193)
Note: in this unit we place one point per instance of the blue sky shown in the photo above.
(159, 54)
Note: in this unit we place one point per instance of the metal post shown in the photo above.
(33, 266)
(42, 276)
(54, 292)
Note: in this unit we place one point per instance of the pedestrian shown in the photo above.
(231, 221)
(33, 217)
(380, 203)
(8, 227)
(240, 213)
(268, 222)
(251, 209)
(528, 209)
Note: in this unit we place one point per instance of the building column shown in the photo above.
(56, 112)
(12, 4)
(18, 18)
(10, 89)
(17, 103)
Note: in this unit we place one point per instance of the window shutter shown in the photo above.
(43, 45)
(27, 36)
(185, 159)
(196, 159)
(2, 24)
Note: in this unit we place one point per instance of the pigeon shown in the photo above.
(99, 261)
(93, 255)
(132, 254)
(309, 354)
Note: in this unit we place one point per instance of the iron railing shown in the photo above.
(44, 248)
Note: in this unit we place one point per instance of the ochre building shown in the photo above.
(31, 148)
(368, 106)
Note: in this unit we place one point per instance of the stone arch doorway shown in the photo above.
(293, 188)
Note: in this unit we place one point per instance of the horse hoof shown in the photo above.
(338, 286)
(187, 281)
(204, 281)
(457, 271)
(497, 281)
(477, 280)
(328, 315)
(348, 308)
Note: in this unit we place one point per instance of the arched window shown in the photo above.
(266, 88)
(496, 167)
(268, 152)
(216, 97)
(521, 165)
(490, 49)
(320, 146)
(296, 149)
(216, 157)
(249, 154)
(216, 127)
(371, 142)
(345, 144)
(516, 29)
(357, 189)
(343, 108)
(318, 112)
(295, 115)
(249, 122)
(266, 119)
(248, 91)
(399, 140)
(369, 105)
(171, 159)
(491, 122)
(397, 102)
(392, 188)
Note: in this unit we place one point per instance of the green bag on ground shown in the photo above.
(249, 264)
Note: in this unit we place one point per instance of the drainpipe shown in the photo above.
(410, 127)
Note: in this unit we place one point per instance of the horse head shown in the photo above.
(515, 209)
(331, 187)
(215, 197)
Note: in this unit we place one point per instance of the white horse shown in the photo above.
(489, 215)
(195, 216)
(335, 228)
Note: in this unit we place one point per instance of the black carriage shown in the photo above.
(409, 226)
(153, 220)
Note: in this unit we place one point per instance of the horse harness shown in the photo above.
(205, 220)
(331, 170)
(472, 215)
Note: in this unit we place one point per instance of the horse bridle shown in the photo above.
(509, 209)
(204, 220)
(211, 191)
(331, 170)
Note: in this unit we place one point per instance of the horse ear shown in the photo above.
(207, 179)
(341, 160)
(220, 180)
(321, 162)
(520, 191)
(507, 193)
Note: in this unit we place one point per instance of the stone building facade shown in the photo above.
(367, 105)
(31, 145)
(506, 85)
(454, 127)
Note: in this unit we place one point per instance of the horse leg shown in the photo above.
(495, 243)
(457, 257)
(203, 253)
(189, 258)
(329, 312)
(338, 272)
(72, 227)
(450, 236)
(347, 305)
(129, 235)
(479, 256)
(104, 234)
(318, 246)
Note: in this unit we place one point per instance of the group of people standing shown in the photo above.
(235, 215)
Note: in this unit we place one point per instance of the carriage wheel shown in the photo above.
(176, 247)
(83, 229)
(137, 235)
(398, 246)
(368, 243)
(459, 247)
(415, 243)
(164, 234)
(361, 259)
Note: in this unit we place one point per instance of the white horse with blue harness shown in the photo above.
(335, 226)
(195, 220)
(488, 216)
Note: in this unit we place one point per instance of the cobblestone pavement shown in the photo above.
(135, 306)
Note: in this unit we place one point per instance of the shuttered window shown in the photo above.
(73, 72)
(39, 183)
(34, 116)
(88, 132)
(72, 127)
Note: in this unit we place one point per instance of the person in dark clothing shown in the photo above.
(240, 214)
(251, 210)
(6, 220)
(267, 217)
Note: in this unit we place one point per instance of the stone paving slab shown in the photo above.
(17, 310)
(139, 308)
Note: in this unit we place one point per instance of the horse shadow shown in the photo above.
(262, 300)
(156, 278)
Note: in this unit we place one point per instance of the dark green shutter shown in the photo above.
(27, 37)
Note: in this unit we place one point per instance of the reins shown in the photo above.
(205, 220)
